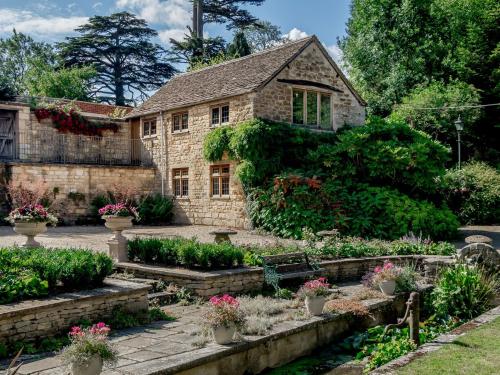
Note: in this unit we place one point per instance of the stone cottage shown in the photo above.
(296, 83)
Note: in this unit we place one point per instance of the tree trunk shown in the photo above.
(198, 18)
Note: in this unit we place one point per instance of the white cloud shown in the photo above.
(97, 5)
(175, 13)
(27, 22)
(336, 53)
(177, 34)
(295, 34)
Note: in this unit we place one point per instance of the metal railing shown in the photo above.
(59, 148)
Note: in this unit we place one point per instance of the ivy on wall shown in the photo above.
(73, 122)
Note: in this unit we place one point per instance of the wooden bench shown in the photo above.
(288, 266)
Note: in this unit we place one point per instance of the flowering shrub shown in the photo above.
(315, 288)
(88, 342)
(120, 210)
(71, 121)
(224, 312)
(31, 213)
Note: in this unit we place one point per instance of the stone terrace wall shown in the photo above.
(73, 186)
(35, 319)
(274, 101)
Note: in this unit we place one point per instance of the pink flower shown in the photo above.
(388, 266)
(377, 269)
(76, 331)
(226, 299)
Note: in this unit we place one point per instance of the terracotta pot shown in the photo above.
(30, 230)
(91, 367)
(388, 287)
(315, 305)
(118, 223)
(223, 335)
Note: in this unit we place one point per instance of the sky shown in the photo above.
(53, 20)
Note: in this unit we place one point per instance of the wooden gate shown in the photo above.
(7, 135)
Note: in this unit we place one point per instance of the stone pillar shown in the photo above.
(118, 247)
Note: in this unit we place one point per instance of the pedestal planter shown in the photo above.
(118, 243)
(388, 287)
(223, 335)
(315, 305)
(30, 230)
(92, 367)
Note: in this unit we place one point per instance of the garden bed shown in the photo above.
(34, 319)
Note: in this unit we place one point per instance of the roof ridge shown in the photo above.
(232, 61)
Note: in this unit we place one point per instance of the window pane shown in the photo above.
(225, 185)
(177, 172)
(326, 112)
(184, 121)
(185, 173)
(215, 171)
(176, 122)
(298, 107)
(312, 108)
(177, 188)
(215, 116)
(145, 127)
(225, 169)
(152, 128)
(215, 186)
(185, 187)
(225, 114)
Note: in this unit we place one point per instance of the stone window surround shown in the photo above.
(220, 176)
(220, 106)
(148, 120)
(180, 113)
(180, 178)
(318, 91)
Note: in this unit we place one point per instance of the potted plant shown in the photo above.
(118, 216)
(315, 292)
(224, 317)
(385, 278)
(31, 220)
(89, 350)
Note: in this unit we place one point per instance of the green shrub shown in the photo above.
(155, 210)
(31, 273)
(463, 291)
(473, 193)
(188, 253)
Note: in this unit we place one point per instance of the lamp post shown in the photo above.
(459, 125)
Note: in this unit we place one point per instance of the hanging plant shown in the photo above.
(73, 122)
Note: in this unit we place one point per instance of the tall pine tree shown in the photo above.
(128, 65)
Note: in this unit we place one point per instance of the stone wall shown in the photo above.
(36, 319)
(72, 186)
(185, 150)
(274, 101)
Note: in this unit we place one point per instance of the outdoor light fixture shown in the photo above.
(459, 125)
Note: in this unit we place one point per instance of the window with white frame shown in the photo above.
(219, 115)
(312, 108)
(149, 127)
(180, 121)
(219, 181)
(180, 182)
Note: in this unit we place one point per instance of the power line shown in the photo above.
(451, 107)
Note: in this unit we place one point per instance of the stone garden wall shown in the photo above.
(34, 319)
(73, 186)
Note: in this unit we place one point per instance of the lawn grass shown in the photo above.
(478, 353)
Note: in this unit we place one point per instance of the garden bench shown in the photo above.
(289, 266)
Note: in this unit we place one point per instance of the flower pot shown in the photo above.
(118, 223)
(93, 366)
(388, 287)
(30, 230)
(223, 335)
(315, 305)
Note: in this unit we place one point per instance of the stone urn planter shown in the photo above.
(387, 287)
(91, 367)
(118, 243)
(315, 305)
(30, 229)
(223, 335)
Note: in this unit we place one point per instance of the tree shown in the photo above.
(69, 83)
(239, 46)
(195, 51)
(439, 123)
(17, 55)
(127, 63)
(263, 35)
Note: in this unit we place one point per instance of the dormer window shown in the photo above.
(312, 108)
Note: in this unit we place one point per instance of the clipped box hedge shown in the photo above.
(36, 272)
(186, 253)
